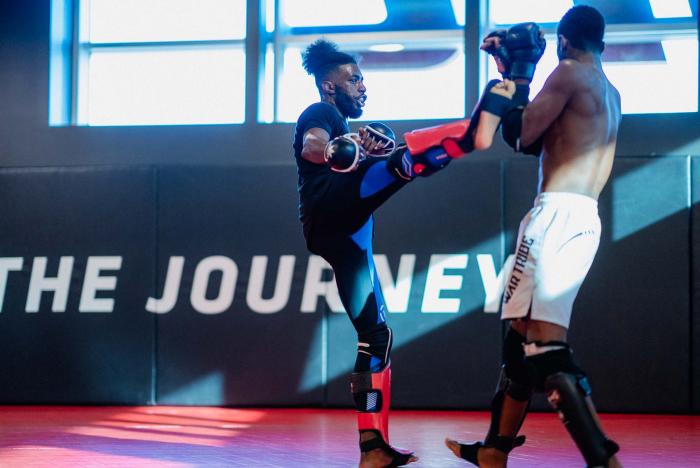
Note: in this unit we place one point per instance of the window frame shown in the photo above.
(615, 33)
(263, 33)
(82, 49)
(275, 43)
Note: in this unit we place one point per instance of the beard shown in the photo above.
(347, 105)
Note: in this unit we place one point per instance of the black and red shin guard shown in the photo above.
(372, 394)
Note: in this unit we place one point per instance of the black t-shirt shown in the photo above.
(314, 179)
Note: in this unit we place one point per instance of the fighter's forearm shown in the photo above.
(529, 134)
(485, 131)
(463, 136)
(515, 130)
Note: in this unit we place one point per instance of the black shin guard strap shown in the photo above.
(470, 452)
(397, 458)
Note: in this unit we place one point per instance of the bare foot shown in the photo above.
(487, 457)
(378, 458)
(454, 446)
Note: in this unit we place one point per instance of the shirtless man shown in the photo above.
(572, 125)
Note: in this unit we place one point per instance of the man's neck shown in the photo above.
(585, 57)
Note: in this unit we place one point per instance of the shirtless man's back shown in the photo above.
(572, 126)
(579, 143)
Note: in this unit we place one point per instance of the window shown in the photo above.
(159, 62)
(649, 45)
(404, 48)
(177, 62)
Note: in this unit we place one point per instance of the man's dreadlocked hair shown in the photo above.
(323, 56)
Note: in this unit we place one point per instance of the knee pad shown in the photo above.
(518, 381)
(551, 357)
(374, 349)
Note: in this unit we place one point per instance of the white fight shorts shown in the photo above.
(557, 241)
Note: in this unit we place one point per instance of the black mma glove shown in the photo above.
(524, 47)
(499, 53)
(343, 153)
(382, 139)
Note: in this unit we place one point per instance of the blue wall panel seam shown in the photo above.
(156, 282)
(503, 232)
(324, 354)
(691, 291)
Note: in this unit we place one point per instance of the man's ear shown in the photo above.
(328, 87)
(563, 42)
